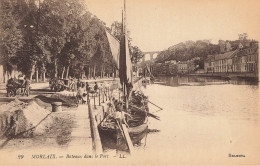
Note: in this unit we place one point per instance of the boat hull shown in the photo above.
(112, 138)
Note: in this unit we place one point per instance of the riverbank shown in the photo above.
(72, 128)
(247, 76)
(227, 75)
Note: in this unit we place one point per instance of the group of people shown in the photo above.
(116, 109)
(13, 84)
(83, 90)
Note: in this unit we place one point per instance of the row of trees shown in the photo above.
(55, 38)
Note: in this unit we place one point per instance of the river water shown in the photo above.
(203, 121)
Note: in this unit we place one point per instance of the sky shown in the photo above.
(155, 25)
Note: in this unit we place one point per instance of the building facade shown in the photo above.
(182, 67)
(237, 61)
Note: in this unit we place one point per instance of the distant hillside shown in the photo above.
(187, 50)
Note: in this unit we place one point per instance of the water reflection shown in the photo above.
(201, 81)
(203, 119)
(206, 96)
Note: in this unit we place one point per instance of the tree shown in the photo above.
(187, 50)
(11, 36)
(56, 38)
(116, 29)
(242, 36)
(30, 50)
(58, 19)
(136, 53)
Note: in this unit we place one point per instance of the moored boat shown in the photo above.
(111, 132)
(112, 137)
(132, 111)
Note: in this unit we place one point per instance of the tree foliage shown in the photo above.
(136, 53)
(54, 36)
(11, 36)
(187, 50)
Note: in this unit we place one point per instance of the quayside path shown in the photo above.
(81, 132)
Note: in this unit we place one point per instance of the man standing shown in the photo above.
(27, 87)
(81, 91)
(10, 87)
(21, 81)
(96, 87)
(87, 87)
(78, 84)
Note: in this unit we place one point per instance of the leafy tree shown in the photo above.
(58, 20)
(116, 29)
(187, 50)
(11, 36)
(30, 50)
(136, 53)
(56, 38)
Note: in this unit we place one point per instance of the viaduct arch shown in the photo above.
(150, 56)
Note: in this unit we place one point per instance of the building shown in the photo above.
(242, 60)
(246, 60)
(182, 67)
(208, 64)
(164, 68)
(223, 62)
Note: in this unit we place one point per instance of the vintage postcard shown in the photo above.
(129, 82)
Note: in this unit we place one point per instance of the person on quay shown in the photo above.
(120, 115)
(27, 87)
(78, 84)
(21, 81)
(87, 87)
(81, 91)
(10, 87)
(96, 87)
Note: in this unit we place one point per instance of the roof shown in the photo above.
(210, 58)
(244, 52)
(226, 55)
(182, 63)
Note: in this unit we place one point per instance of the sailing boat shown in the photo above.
(147, 76)
(134, 103)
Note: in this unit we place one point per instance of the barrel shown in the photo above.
(56, 106)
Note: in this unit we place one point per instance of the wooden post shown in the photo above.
(95, 135)
(106, 94)
(99, 97)
(103, 110)
(128, 139)
(103, 96)
(37, 75)
(258, 66)
(56, 106)
(95, 102)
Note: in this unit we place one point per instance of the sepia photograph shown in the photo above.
(129, 82)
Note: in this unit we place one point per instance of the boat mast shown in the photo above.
(126, 39)
(125, 67)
